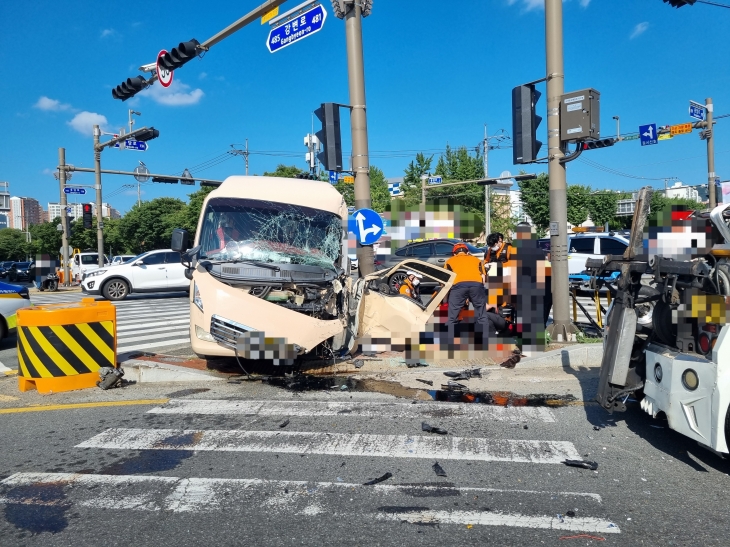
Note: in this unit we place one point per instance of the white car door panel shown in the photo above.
(150, 273)
(176, 272)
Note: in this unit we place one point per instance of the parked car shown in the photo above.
(19, 271)
(434, 251)
(121, 259)
(4, 267)
(153, 271)
(583, 246)
(12, 298)
(353, 261)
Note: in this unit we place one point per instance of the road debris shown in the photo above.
(438, 470)
(584, 536)
(464, 374)
(432, 429)
(513, 360)
(378, 480)
(110, 377)
(570, 514)
(358, 363)
(284, 423)
(427, 382)
(452, 385)
(596, 428)
(580, 463)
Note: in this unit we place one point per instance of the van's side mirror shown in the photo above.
(180, 240)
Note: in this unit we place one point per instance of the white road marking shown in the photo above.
(366, 409)
(6, 371)
(517, 520)
(197, 495)
(293, 442)
(146, 326)
(129, 346)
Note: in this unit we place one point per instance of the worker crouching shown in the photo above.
(468, 285)
(410, 285)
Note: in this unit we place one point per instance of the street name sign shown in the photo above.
(297, 29)
(129, 144)
(72, 190)
(697, 111)
(369, 226)
(648, 134)
(435, 180)
(681, 129)
(163, 75)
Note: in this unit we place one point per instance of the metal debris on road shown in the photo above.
(453, 385)
(379, 479)
(432, 429)
(438, 470)
(284, 423)
(358, 363)
(464, 374)
(580, 463)
(427, 382)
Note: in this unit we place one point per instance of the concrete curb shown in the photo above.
(584, 355)
(147, 372)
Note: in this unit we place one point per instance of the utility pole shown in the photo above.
(710, 154)
(487, 188)
(358, 124)
(562, 329)
(64, 214)
(243, 153)
(97, 186)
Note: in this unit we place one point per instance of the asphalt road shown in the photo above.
(214, 467)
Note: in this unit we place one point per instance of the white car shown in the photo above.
(12, 298)
(154, 271)
(121, 259)
(587, 245)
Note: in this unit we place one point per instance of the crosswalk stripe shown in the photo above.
(130, 330)
(138, 347)
(363, 409)
(156, 336)
(340, 444)
(392, 502)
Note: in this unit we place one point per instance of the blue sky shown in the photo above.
(435, 74)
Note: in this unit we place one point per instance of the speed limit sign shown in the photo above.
(163, 75)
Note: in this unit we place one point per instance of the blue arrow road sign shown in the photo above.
(72, 190)
(333, 177)
(140, 146)
(368, 226)
(648, 134)
(297, 29)
(696, 111)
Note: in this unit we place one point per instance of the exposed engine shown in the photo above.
(323, 301)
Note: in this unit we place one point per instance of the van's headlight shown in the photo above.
(196, 297)
(95, 273)
(203, 335)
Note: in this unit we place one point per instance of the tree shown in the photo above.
(45, 238)
(379, 195)
(459, 165)
(13, 244)
(535, 196)
(411, 186)
(602, 206)
(187, 218)
(286, 171)
(578, 196)
(149, 226)
(347, 190)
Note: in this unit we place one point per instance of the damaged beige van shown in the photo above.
(270, 276)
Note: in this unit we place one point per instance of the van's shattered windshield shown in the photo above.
(265, 231)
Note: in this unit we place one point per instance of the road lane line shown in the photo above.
(366, 409)
(340, 444)
(71, 406)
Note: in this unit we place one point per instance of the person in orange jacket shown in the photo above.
(410, 284)
(469, 284)
(497, 250)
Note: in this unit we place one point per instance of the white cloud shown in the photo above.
(529, 5)
(203, 76)
(178, 94)
(108, 32)
(83, 122)
(584, 3)
(48, 171)
(51, 105)
(639, 30)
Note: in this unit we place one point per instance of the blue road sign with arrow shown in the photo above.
(368, 227)
(296, 29)
(72, 190)
(130, 144)
(697, 111)
(648, 134)
(333, 177)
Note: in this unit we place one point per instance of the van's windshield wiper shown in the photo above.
(252, 263)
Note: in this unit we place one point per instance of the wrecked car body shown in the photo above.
(270, 275)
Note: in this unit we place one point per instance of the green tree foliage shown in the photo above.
(602, 206)
(535, 195)
(149, 226)
(578, 197)
(378, 190)
(411, 186)
(187, 218)
(286, 171)
(13, 244)
(45, 238)
(458, 165)
(502, 220)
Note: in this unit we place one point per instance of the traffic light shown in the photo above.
(166, 180)
(524, 124)
(88, 215)
(147, 134)
(180, 55)
(679, 3)
(67, 221)
(306, 176)
(600, 143)
(329, 136)
(129, 88)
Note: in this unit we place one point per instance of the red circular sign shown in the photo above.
(163, 75)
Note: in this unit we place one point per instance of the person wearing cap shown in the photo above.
(410, 285)
(469, 284)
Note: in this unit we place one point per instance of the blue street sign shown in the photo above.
(297, 29)
(435, 180)
(72, 190)
(696, 111)
(648, 134)
(369, 226)
(333, 177)
(139, 146)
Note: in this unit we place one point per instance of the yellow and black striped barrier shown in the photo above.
(61, 347)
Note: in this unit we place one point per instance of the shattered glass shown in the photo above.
(264, 231)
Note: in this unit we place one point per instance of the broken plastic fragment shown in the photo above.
(580, 463)
(438, 470)
(432, 429)
(570, 513)
(284, 423)
(427, 382)
(379, 479)
(358, 363)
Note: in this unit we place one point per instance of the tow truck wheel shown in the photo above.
(645, 311)
(116, 289)
(723, 279)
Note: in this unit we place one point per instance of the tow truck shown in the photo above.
(667, 338)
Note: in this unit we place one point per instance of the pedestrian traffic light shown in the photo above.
(600, 143)
(679, 3)
(88, 215)
(129, 88)
(180, 55)
(329, 136)
(525, 147)
(147, 134)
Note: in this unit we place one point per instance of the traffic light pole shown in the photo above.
(562, 329)
(97, 176)
(358, 125)
(710, 155)
(64, 214)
